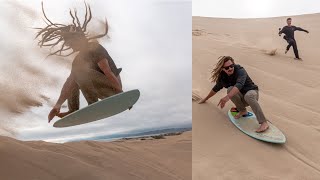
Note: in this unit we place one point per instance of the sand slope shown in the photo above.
(168, 158)
(289, 95)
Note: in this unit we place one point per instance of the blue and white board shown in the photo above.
(248, 125)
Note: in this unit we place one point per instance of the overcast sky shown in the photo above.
(149, 39)
(253, 8)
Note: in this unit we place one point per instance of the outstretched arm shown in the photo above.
(280, 31)
(214, 90)
(300, 29)
(104, 66)
(65, 93)
(211, 93)
(66, 90)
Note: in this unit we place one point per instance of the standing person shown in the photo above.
(289, 37)
(241, 89)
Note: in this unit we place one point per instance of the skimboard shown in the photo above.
(249, 124)
(99, 110)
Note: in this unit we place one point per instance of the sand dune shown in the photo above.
(289, 95)
(168, 158)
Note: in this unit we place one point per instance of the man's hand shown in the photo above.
(54, 112)
(202, 101)
(223, 101)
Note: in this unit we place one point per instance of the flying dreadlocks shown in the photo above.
(93, 70)
(55, 33)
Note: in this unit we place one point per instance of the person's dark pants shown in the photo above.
(293, 43)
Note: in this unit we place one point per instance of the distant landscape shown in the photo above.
(139, 133)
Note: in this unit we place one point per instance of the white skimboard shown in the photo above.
(102, 109)
(249, 124)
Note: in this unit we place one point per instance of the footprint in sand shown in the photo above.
(195, 96)
(199, 32)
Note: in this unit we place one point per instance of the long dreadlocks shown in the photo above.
(54, 33)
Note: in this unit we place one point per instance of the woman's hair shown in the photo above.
(55, 33)
(215, 73)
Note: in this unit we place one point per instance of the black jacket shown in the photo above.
(239, 79)
(289, 31)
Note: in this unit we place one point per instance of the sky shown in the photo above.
(253, 8)
(149, 39)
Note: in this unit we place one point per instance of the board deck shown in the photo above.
(102, 109)
(248, 125)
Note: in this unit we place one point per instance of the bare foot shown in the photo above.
(263, 127)
(240, 114)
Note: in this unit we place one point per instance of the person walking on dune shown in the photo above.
(241, 89)
(289, 37)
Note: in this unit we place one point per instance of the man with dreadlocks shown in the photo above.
(241, 89)
(93, 70)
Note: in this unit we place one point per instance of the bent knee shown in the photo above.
(250, 97)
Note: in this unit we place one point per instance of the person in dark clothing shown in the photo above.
(289, 37)
(241, 89)
(93, 71)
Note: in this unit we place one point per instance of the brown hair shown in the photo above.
(215, 73)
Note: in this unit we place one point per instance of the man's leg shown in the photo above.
(74, 99)
(287, 49)
(251, 97)
(289, 44)
(93, 84)
(84, 81)
(295, 49)
(293, 43)
(238, 100)
(102, 84)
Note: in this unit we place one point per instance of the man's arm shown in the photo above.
(242, 76)
(233, 92)
(281, 31)
(211, 93)
(104, 66)
(300, 29)
(66, 90)
(65, 93)
(214, 90)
